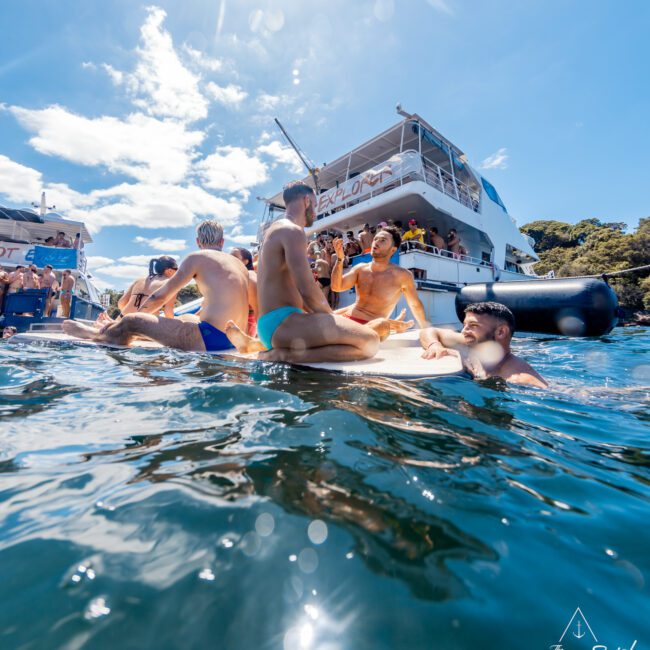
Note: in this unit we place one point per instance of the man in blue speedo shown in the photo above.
(222, 280)
(296, 324)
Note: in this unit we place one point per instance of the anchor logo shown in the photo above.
(577, 634)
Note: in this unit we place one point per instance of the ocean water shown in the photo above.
(168, 500)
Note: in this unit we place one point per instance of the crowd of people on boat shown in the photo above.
(58, 293)
(61, 241)
(275, 305)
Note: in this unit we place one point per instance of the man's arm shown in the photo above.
(438, 342)
(521, 372)
(413, 300)
(294, 245)
(342, 282)
(167, 291)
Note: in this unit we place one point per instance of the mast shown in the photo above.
(306, 161)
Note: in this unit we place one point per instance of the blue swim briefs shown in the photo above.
(213, 338)
(269, 322)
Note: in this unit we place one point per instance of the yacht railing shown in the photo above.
(414, 247)
(424, 170)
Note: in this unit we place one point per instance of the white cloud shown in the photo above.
(143, 260)
(282, 154)
(442, 6)
(140, 146)
(160, 243)
(123, 271)
(231, 95)
(268, 102)
(233, 169)
(161, 83)
(242, 240)
(117, 77)
(202, 60)
(19, 183)
(95, 261)
(498, 160)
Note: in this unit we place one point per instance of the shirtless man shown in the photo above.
(365, 238)
(296, 324)
(30, 278)
(436, 240)
(67, 286)
(453, 242)
(222, 280)
(16, 280)
(379, 284)
(323, 272)
(4, 285)
(49, 281)
(483, 345)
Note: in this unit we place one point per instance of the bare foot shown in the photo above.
(244, 343)
(81, 331)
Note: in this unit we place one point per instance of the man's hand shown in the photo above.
(338, 248)
(436, 350)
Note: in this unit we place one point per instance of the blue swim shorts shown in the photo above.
(269, 322)
(214, 339)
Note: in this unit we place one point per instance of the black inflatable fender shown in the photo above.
(569, 306)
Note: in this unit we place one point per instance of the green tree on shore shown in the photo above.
(591, 247)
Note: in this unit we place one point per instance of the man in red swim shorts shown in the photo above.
(379, 283)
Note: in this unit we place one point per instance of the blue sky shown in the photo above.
(141, 119)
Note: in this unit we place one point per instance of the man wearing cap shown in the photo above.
(414, 235)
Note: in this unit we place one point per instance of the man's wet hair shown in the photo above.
(158, 265)
(494, 309)
(394, 233)
(248, 257)
(209, 233)
(294, 191)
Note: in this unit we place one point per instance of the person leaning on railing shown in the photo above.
(414, 236)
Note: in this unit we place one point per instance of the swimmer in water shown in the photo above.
(483, 344)
(379, 284)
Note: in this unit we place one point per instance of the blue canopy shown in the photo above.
(492, 193)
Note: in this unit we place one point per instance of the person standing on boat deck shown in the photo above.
(453, 242)
(414, 235)
(222, 280)
(30, 278)
(78, 243)
(436, 240)
(4, 285)
(379, 284)
(61, 241)
(49, 282)
(323, 272)
(352, 246)
(67, 286)
(16, 280)
(365, 237)
(296, 324)
(483, 345)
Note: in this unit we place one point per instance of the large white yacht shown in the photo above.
(25, 239)
(411, 171)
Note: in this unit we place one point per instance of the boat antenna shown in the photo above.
(306, 161)
(42, 206)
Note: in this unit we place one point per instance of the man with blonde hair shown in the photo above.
(222, 280)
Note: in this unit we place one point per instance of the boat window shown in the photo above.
(492, 193)
(82, 288)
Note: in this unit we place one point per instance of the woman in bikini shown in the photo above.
(160, 270)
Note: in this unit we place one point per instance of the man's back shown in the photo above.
(223, 281)
(275, 284)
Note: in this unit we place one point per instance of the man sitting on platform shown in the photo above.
(379, 284)
(296, 324)
(222, 280)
